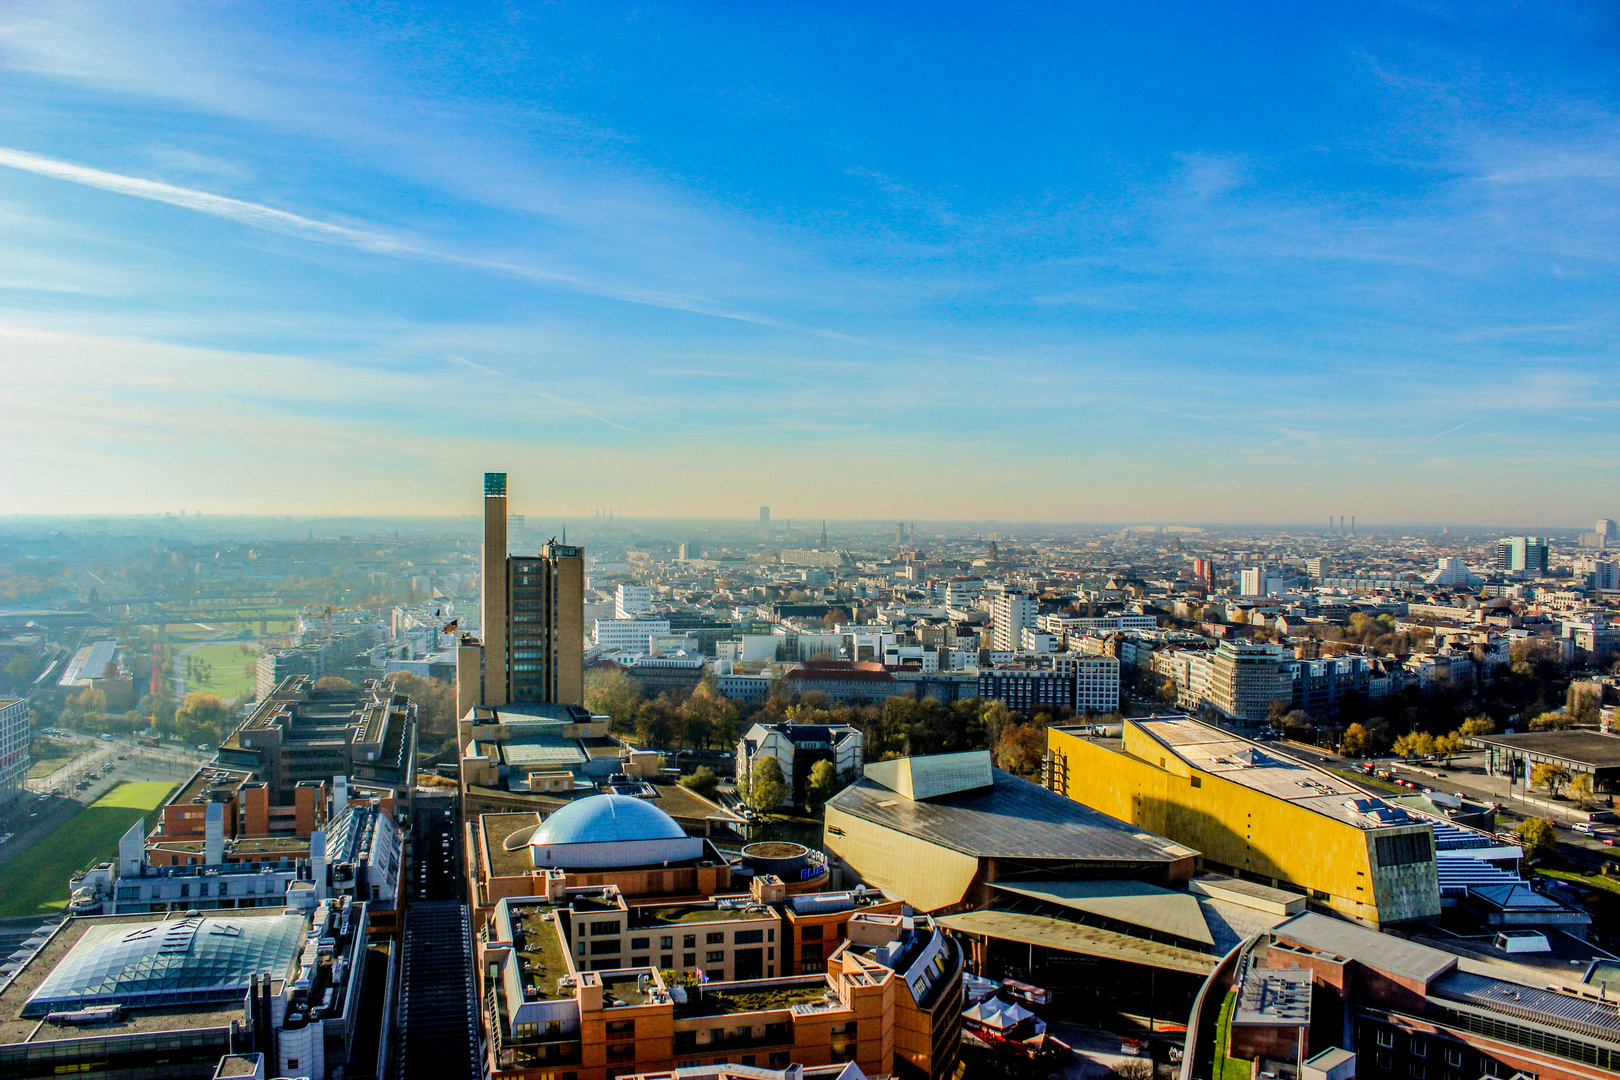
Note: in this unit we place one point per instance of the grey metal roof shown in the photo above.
(1389, 954)
(1596, 1019)
(1012, 819)
(1076, 938)
(1231, 924)
(1132, 902)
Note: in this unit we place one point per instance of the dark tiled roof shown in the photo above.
(1014, 819)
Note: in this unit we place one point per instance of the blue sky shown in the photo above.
(1187, 262)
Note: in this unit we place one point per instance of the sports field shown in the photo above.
(227, 668)
(37, 880)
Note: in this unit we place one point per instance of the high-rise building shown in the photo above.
(764, 515)
(13, 748)
(1260, 581)
(533, 620)
(1246, 678)
(1012, 609)
(631, 600)
(1606, 528)
(1602, 574)
(1522, 555)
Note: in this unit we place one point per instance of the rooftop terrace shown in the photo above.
(542, 959)
(731, 999)
(622, 989)
(675, 914)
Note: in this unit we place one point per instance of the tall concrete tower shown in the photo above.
(492, 595)
(532, 646)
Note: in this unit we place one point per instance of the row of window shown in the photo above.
(714, 937)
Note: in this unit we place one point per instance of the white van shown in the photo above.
(1586, 827)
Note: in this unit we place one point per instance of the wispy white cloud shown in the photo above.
(237, 210)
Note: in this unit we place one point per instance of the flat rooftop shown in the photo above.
(1257, 767)
(541, 752)
(542, 959)
(1589, 748)
(496, 829)
(211, 778)
(727, 1000)
(623, 988)
(1388, 953)
(678, 914)
(279, 846)
(1010, 819)
(1274, 998)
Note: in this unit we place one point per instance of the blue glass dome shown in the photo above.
(606, 819)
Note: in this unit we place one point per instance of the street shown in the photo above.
(55, 798)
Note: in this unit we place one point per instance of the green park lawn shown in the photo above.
(229, 677)
(1594, 881)
(37, 880)
(46, 756)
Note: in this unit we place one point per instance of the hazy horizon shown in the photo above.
(810, 526)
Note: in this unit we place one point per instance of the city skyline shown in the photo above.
(1173, 264)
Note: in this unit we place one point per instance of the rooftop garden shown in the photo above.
(725, 1002)
(540, 956)
(696, 913)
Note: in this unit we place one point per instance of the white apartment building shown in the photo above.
(1038, 641)
(1594, 633)
(964, 595)
(631, 635)
(1011, 609)
(1063, 625)
(1260, 581)
(1603, 574)
(631, 600)
(13, 748)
